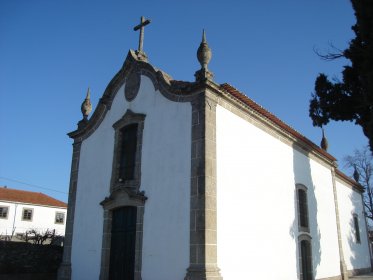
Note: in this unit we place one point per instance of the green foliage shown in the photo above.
(352, 98)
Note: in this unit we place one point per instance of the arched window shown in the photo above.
(128, 147)
(305, 257)
(124, 207)
(302, 206)
(127, 151)
(357, 228)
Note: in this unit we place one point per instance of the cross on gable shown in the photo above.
(140, 26)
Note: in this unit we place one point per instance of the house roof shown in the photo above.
(36, 198)
(272, 118)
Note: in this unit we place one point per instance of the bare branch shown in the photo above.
(329, 55)
(362, 161)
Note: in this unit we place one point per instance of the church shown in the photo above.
(177, 180)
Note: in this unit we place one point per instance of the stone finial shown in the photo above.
(86, 105)
(356, 175)
(324, 142)
(204, 52)
(204, 56)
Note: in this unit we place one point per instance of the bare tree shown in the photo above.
(361, 163)
(36, 237)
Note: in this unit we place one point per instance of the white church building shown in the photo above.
(174, 180)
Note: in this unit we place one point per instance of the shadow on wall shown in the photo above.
(308, 259)
(356, 235)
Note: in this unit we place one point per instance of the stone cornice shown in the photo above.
(177, 91)
(123, 196)
(275, 125)
(344, 178)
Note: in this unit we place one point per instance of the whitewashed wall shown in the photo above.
(356, 254)
(165, 179)
(43, 218)
(257, 220)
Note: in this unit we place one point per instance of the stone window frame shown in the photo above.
(128, 118)
(31, 216)
(122, 197)
(124, 194)
(356, 226)
(304, 237)
(302, 187)
(2, 212)
(63, 217)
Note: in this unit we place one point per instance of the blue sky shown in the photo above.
(51, 51)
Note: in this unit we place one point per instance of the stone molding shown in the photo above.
(300, 228)
(203, 216)
(64, 271)
(247, 113)
(132, 87)
(126, 193)
(204, 97)
(178, 91)
(305, 237)
(349, 182)
(128, 118)
(342, 263)
(120, 198)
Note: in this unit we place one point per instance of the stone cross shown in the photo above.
(141, 27)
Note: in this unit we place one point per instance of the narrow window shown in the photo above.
(305, 260)
(128, 152)
(4, 212)
(357, 229)
(27, 214)
(302, 209)
(60, 218)
(303, 215)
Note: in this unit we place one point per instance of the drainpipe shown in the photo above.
(14, 220)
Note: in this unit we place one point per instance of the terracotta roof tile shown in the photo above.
(349, 180)
(7, 194)
(259, 109)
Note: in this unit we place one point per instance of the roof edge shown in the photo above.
(174, 90)
(274, 120)
(349, 180)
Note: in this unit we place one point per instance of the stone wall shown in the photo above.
(25, 258)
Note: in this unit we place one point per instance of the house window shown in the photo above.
(303, 221)
(128, 152)
(60, 218)
(357, 229)
(4, 212)
(27, 214)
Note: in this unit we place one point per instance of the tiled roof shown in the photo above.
(272, 118)
(349, 180)
(13, 195)
(275, 120)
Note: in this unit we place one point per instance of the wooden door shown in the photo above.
(123, 238)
